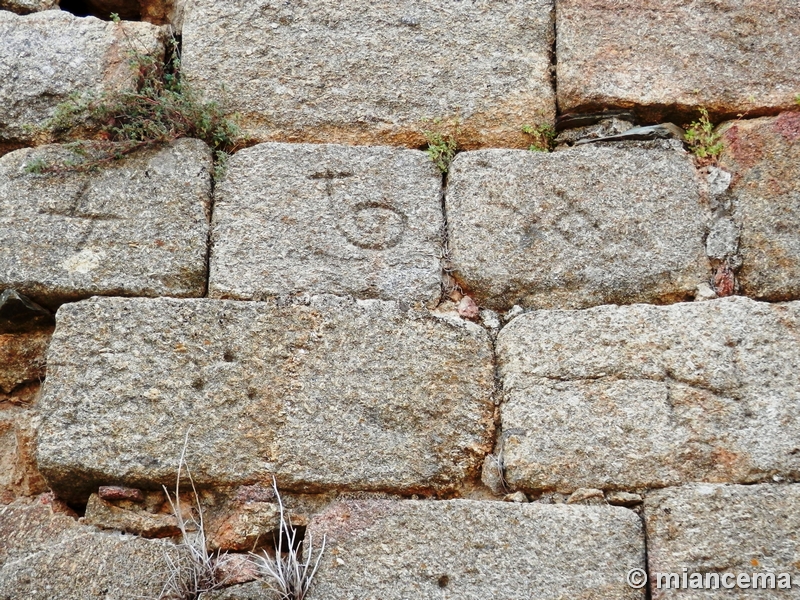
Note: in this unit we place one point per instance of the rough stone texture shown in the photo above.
(589, 225)
(724, 529)
(763, 155)
(45, 554)
(19, 475)
(338, 394)
(475, 550)
(244, 527)
(647, 396)
(310, 218)
(368, 72)
(667, 59)
(22, 359)
(49, 55)
(106, 515)
(138, 227)
(23, 7)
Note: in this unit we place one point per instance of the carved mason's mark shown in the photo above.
(74, 202)
(328, 174)
(373, 225)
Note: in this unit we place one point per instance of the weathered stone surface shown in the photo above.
(475, 550)
(243, 527)
(370, 72)
(589, 225)
(650, 396)
(723, 529)
(764, 157)
(22, 359)
(313, 218)
(667, 59)
(19, 475)
(138, 227)
(338, 394)
(46, 555)
(105, 515)
(49, 55)
(23, 7)
(118, 492)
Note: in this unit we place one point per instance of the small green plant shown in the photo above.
(542, 137)
(441, 148)
(442, 137)
(797, 99)
(702, 140)
(36, 166)
(160, 108)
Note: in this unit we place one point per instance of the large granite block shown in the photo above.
(763, 156)
(585, 226)
(467, 550)
(45, 554)
(666, 59)
(364, 72)
(47, 56)
(718, 529)
(139, 226)
(649, 396)
(291, 219)
(334, 395)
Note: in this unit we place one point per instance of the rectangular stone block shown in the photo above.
(138, 226)
(666, 59)
(475, 550)
(327, 219)
(585, 226)
(47, 56)
(468, 550)
(762, 156)
(363, 72)
(718, 529)
(650, 396)
(338, 394)
(45, 554)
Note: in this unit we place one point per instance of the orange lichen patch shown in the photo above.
(728, 462)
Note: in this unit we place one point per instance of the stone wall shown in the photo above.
(537, 375)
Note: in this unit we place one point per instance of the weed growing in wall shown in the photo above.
(161, 108)
(194, 569)
(441, 148)
(703, 141)
(442, 138)
(542, 137)
(287, 574)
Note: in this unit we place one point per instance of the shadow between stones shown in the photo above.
(128, 11)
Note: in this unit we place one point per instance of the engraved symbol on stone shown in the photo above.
(373, 225)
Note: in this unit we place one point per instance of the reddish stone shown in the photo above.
(116, 492)
(467, 308)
